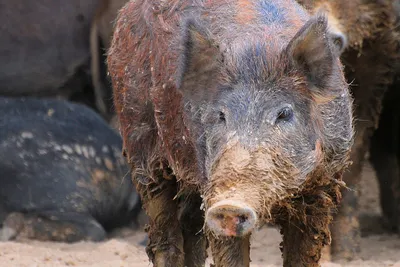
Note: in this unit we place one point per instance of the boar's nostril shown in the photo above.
(242, 219)
(231, 218)
(222, 116)
(219, 216)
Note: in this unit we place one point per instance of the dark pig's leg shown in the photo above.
(230, 251)
(165, 247)
(195, 242)
(372, 84)
(384, 156)
(52, 226)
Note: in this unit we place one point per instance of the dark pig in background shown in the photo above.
(385, 158)
(63, 177)
(233, 114)
(100, 39)
(45, 48)
(370, 36)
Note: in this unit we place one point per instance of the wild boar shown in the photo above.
(233, 114)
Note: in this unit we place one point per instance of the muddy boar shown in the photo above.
(45, 50)
(233, 114)
(370, 55)
(63, 176)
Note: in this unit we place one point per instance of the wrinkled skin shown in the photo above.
(241, 106)
(370, 58)
(100, 38)
(63, 177)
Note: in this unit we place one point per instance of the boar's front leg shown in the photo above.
(165, 247)
(192, 221)
(302, 245)
(306, 232)
(230, 251)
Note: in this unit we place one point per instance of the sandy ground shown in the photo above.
(124, 249)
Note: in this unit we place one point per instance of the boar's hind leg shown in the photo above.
(52, 226)
(230, 251)
(195, 242)
(165, 247)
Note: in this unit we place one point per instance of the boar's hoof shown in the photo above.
(230, 218)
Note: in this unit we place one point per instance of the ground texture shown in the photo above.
(124, 249)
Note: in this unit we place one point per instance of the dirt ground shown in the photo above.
(124, 249)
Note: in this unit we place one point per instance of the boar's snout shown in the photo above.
(231, 218)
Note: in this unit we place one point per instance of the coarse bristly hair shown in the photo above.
(232, 105)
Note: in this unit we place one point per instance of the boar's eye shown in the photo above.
(285, 114)
(221, 116)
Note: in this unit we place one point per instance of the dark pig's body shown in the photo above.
(45, 49)
(371, 56)
(100, 39)
(63, 175)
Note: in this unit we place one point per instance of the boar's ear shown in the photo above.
(198, 61)
(310, 49)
